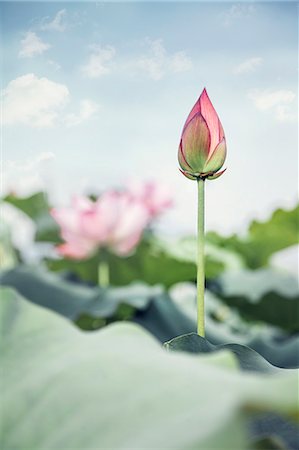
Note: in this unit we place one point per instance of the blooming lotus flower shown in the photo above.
(156, 197)
(115, 221)
(202, 149)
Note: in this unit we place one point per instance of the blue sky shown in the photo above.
(97, 93)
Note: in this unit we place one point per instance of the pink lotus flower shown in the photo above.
(115, 221)
(202, 149)
(154, 196)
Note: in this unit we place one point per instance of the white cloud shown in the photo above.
(280, 103)
(88, 109)
(58, 23)
(156, 62)
(33, 101)
(237, 12)
(32, 45)
(249, 65)
(38, 102)
(99, 62)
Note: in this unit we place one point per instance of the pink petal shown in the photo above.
(92, 225)
(217, 158)
(110, 205)
(78, 242)
(187, 175)
(82, 203)
(204, 106)
(195, 110)
(221, 132)
(212, 119)
(69, 218)
(66, 218)
(216, 175)
(132, 220)
(182, 160)
(74, 250)
(124, 247)
(98, 222)
(196, 143)
(156, 197)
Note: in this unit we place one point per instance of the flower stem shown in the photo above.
(200, 259)
(103, 274)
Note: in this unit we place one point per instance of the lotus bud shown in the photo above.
(202, 149)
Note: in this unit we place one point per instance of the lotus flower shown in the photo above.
(115, 221)
(202, 149)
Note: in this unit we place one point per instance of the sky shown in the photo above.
(96, 94)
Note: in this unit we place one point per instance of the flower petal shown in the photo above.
(124, 247)
(156, 197)
(132, 220)
(182, 160)
(93, 225)
(196, 143)
(216, 160)
(75, 250)
(221, 131)
(81, 203)
(67, 219)
(195, 110)
(187, 175)
(216, 175)
(208, 112)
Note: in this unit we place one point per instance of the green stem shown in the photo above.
(103, 274)
(200, 259)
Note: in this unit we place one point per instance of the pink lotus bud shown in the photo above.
(202, 149)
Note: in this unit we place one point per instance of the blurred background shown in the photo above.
(99, 226)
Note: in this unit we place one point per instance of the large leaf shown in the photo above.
(116, 388)
(92, 307)
(248, 359)
(224, 324)
(263, 295)
(73, 299)
(163, 319)
(264, 238)
(279, 232)
(275, 432)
